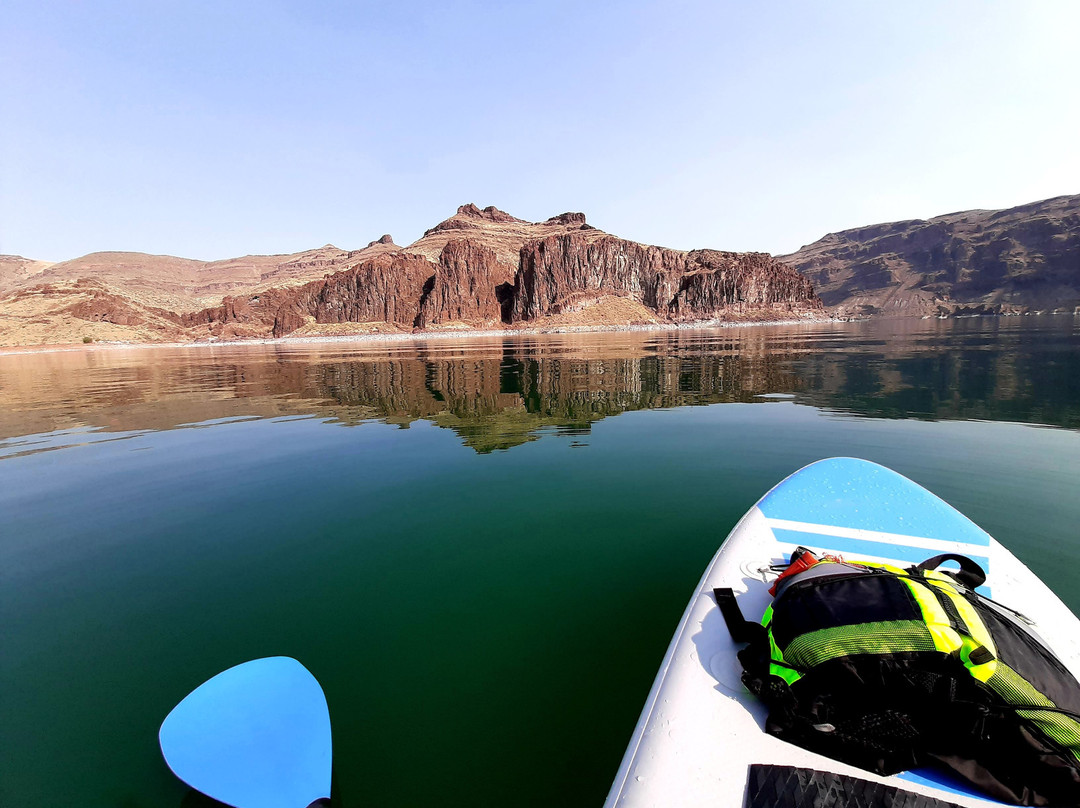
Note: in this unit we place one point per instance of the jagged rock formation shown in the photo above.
(975, 262)
(468, 287)
(498, 231)
(573, 267)
(484, 268)
(384, 289)
(565, 272)
(477, 269)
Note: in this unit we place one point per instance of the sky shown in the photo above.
(216, 129)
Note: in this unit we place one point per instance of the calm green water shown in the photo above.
(480, 550)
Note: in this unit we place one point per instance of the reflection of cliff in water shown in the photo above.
(502, 393)
(496, 403)
(1021, 384)
(494, 395)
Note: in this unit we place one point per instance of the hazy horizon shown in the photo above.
(400, 243)
(209, 131)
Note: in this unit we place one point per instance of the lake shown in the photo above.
(479, 547)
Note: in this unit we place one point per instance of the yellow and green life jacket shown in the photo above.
(890, 668)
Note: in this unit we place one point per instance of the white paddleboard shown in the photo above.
(701, 729)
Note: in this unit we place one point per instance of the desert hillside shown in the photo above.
(1022, 259)
(16, 271)
(477, 269)
(483, 268)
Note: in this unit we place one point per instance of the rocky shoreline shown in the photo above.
(422, 336)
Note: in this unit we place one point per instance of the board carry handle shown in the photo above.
(740, 629)
(970, 573)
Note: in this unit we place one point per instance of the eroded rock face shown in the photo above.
(398, 288)
(385, 289)
(726, 283)
(560, 265)
(464, 287)
(103, 307)
(561, 272)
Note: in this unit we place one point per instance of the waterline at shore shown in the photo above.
(423, 336)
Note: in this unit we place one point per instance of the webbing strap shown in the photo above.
(955, 620)
(740, 629)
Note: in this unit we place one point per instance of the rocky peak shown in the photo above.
(491, 213)
(470, 217)
(386, 238)
(567, 219)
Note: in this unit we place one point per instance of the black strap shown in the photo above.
(970, 574)
(741, 629)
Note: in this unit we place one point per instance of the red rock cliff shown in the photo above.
(562, 265)
(560, 273)
(384, 289)
(466, 287)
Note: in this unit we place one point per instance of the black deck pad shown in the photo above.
(792, 787)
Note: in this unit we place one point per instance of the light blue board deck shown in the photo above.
(856, 494)
(846, 492)
(254, 736)
(851, 493)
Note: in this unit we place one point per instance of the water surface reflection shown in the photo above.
(499, 393)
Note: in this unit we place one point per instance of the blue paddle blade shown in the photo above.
(254, 736)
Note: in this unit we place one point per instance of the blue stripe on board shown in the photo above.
(943, 782)
(879, 549)
(850, 493)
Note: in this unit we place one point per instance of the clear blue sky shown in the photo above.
(214, 129)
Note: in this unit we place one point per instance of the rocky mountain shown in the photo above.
(976, 262)
(477, 269)
(487, 269)
(483, 268)
(138, 297)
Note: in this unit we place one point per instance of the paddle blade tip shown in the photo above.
(255, 736)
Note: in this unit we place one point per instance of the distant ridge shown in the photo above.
(1017, 260)
(16, 270)
(484, 268)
